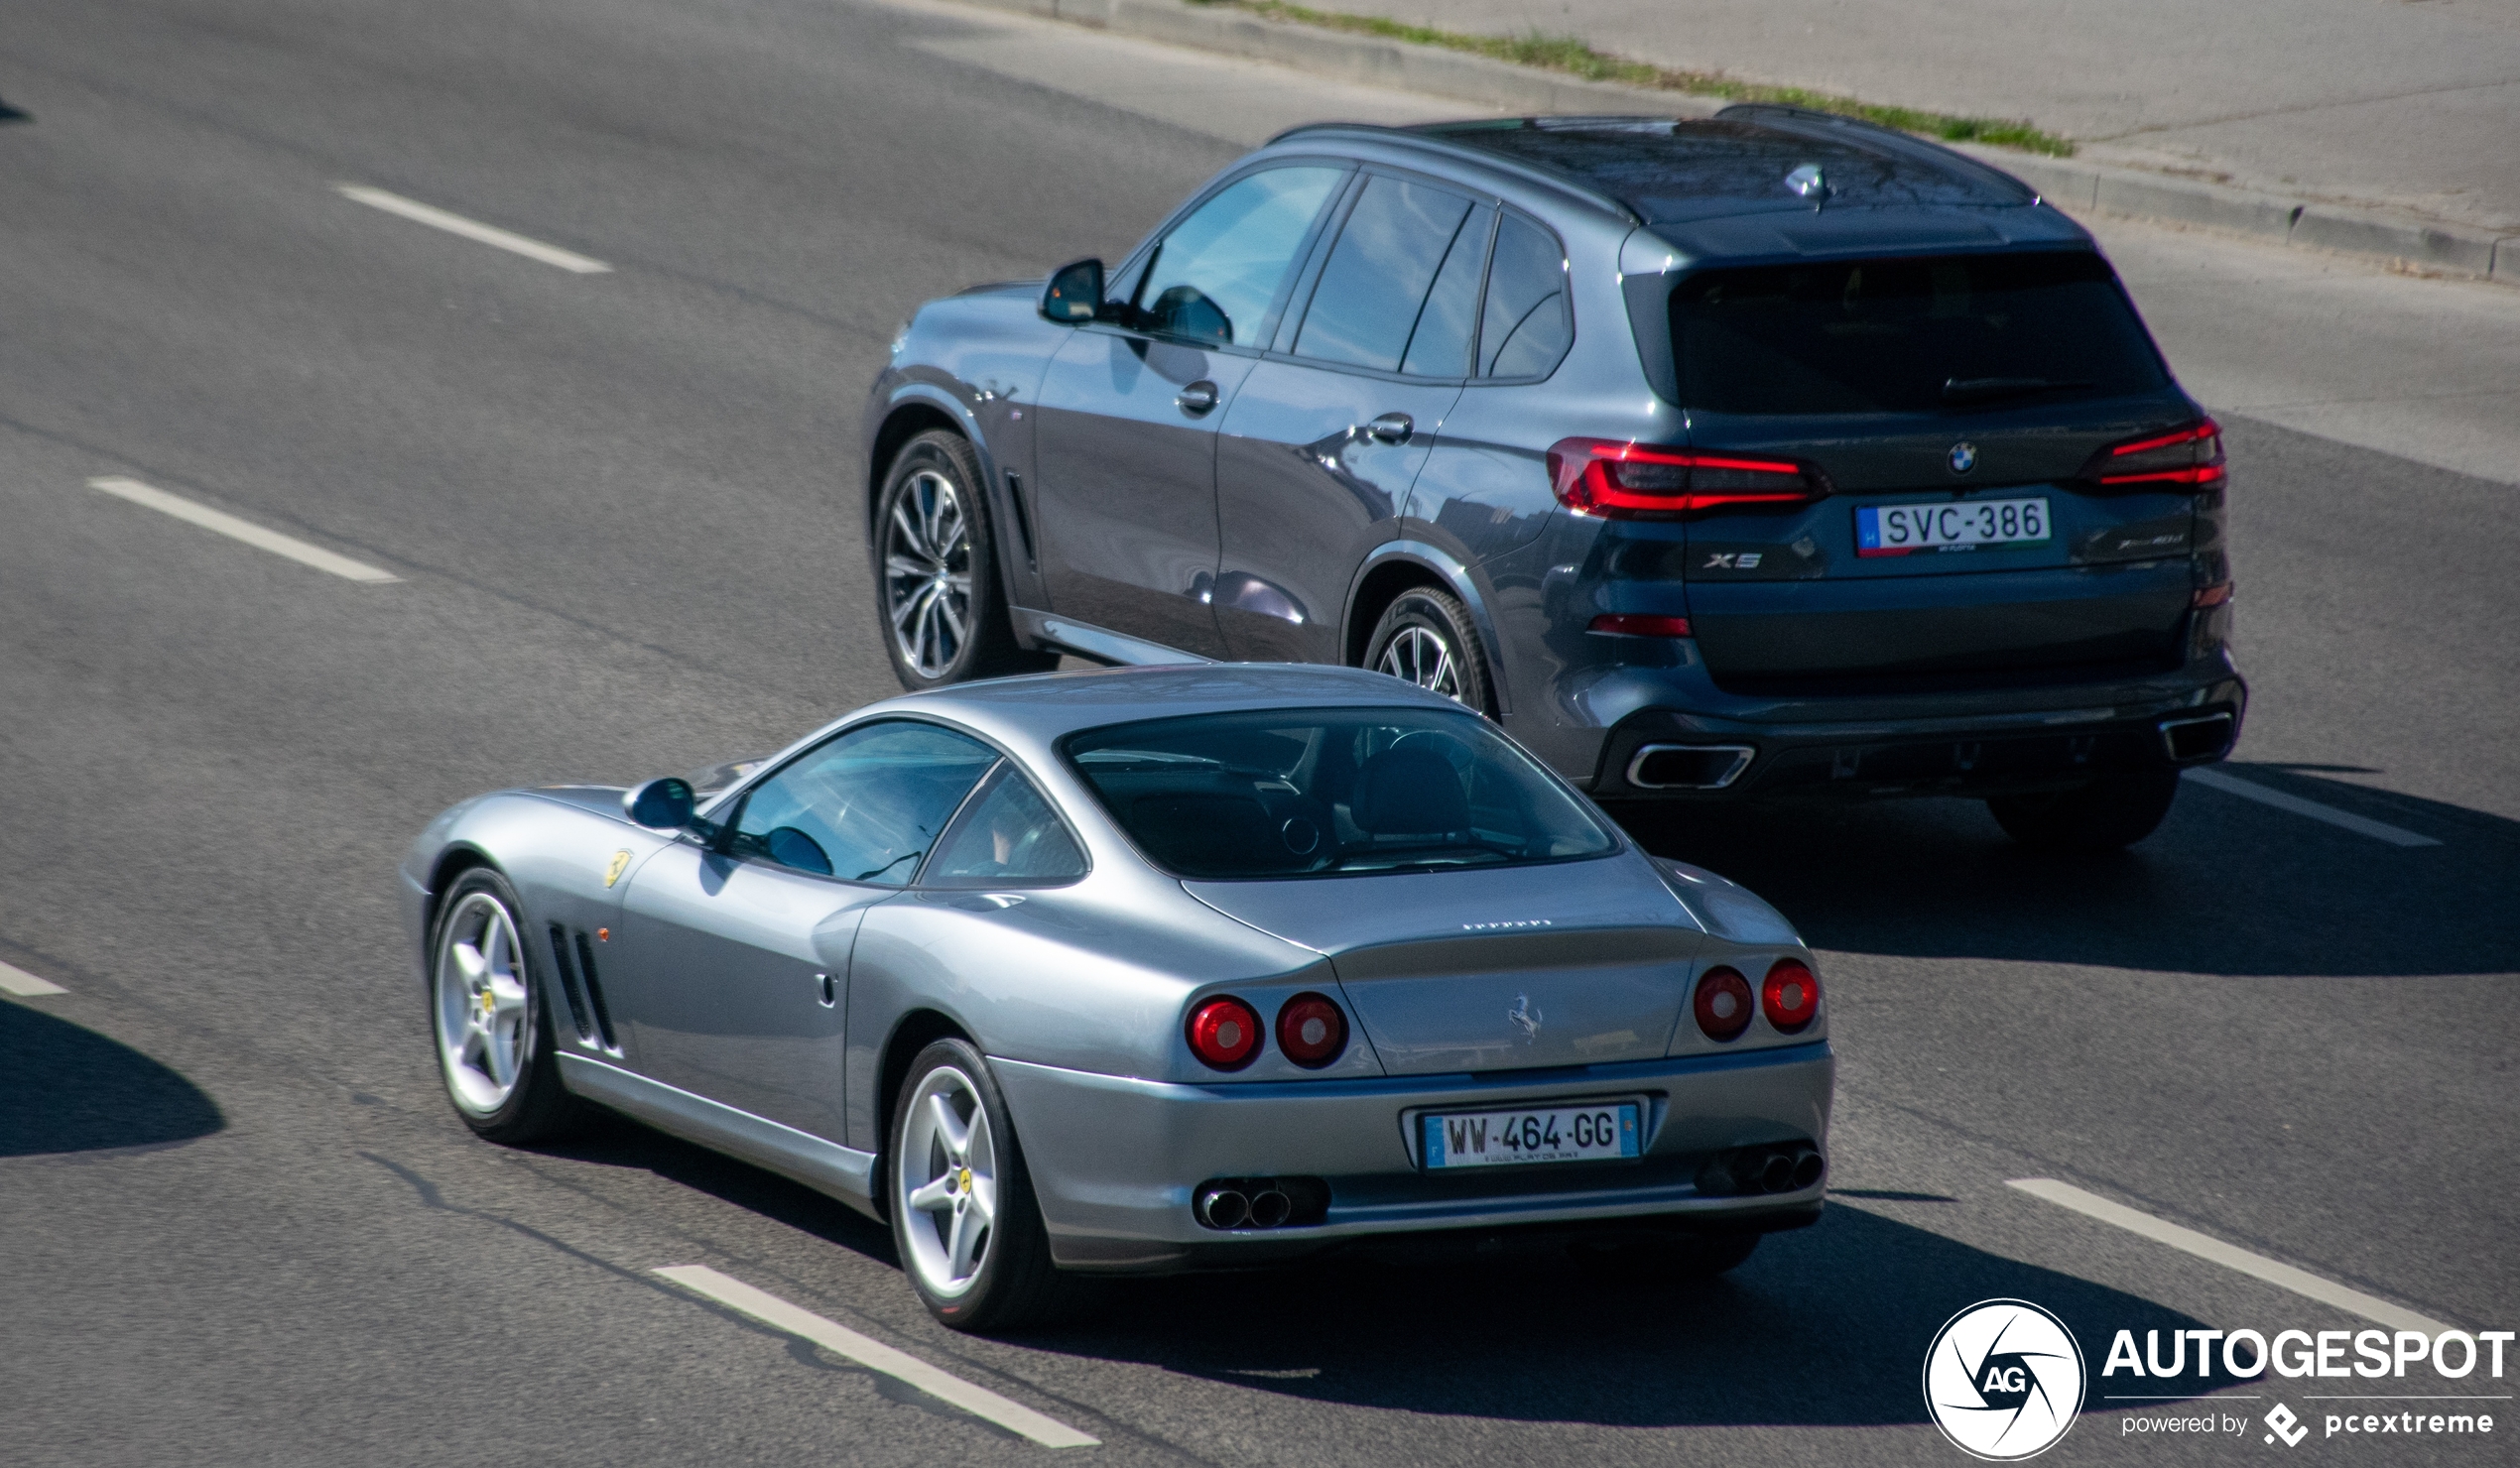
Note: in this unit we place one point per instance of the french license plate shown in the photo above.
(1556, 1134)
(1896, 529)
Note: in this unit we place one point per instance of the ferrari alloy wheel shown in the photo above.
(936, 574)
(964, 1220)
(1426, 637)
(493, 1039)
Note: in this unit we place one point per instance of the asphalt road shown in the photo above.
(238, 1222)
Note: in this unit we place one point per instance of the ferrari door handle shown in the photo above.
(1391, 428)
(1198, 398)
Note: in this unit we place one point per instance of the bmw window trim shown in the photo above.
(1566, 268)
(738, 795)
(1309, 282)
(1132, 270)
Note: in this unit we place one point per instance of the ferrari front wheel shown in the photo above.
(489, 1018)
(964, 1220)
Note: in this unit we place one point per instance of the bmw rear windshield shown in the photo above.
(1306, 793)
(1933, 334)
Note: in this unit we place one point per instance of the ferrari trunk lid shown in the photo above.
(1505, 969)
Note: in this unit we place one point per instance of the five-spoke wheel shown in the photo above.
(964, 1220)
(492, 1031)
(949, 1181)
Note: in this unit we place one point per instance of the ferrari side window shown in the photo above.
(1007, 836)
(864, 806)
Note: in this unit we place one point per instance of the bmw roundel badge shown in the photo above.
(1963, 458)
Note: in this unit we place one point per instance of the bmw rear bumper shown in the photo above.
(1115, 1160)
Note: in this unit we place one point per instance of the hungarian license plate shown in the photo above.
(1897, 530)
(1555, 1134)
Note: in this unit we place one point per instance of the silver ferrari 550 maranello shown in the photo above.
(1141, 970)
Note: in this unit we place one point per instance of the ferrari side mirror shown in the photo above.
(659, 804)
(1074, 294)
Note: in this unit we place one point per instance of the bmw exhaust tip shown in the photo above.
(2192, 741)
(1222, 1207)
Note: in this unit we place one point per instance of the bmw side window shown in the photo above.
(1374, 298)
(1526, 327)
(864, 806)
(1006, 836)
(1216, 273)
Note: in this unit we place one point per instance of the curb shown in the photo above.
(2404, 241)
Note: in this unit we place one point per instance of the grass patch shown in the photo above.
(1573, 57)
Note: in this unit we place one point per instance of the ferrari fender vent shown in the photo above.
(584, 992)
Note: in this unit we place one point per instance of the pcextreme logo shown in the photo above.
(2004, 1380)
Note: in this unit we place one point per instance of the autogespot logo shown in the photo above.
(2004, 1380)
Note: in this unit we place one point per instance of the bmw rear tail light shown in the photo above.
(1723, 1003)
(1640, 624)
(1630, 481)
(1224, 1032)
(2188, 458)
(1791, 995)
(1311, 1030)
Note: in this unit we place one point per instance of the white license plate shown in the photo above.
(1896, 529)
(1555, 1134)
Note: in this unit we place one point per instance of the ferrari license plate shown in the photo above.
(1556, 1134)
(1896, 529)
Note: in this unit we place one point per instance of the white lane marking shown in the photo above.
(2207, 1246)
(242, 530)
(18, 981)
(980, 1402)
(2247, 790)
(471, 229)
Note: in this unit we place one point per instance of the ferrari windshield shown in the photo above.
(1303, 792)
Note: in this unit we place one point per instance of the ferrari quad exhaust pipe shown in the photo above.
(1271, 1208)
(1223, 1208)
(1762, 1169)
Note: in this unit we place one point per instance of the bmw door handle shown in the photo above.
(1196, 399)
(1391, 428)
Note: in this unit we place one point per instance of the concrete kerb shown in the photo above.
(2071, 185)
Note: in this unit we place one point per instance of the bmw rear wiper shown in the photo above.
(1986, 389)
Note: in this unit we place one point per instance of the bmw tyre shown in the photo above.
(936, 590)
(1426, 637)
(965, 1219)
(2113, 812)
(491, 1018)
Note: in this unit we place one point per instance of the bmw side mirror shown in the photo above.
(661, 805)
(1074, 294)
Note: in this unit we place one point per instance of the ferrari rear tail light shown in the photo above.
(1723, 1003)
(1632, 481)
(1311, 1030)
(2188, 458)
(1224, 1032)
(1791, 995)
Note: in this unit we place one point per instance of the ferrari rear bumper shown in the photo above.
(1116, 1161)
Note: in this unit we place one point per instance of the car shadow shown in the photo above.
(64, 1088)
(2228, 886)
(611, 1139)
(1828, 1327)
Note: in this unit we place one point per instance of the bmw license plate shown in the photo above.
(1556, 1134)
(1896, 529)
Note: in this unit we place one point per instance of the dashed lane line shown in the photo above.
(2207, 1246)
(874, 1355)
(25, 985)
(2249, 789)
(241, 530)
(471, 229)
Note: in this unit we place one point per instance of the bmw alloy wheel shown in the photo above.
(485, 1028)
(945, 1185)
(928, 573)
(1418, 655)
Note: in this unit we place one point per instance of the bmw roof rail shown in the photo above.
(1432, 141)
(1810, 121)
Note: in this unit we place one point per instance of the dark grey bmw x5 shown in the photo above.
(1766, 454)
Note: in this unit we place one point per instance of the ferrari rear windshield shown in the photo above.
(1318, 793)
(1936, 335)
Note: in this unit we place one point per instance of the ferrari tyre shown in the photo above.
(941, 609)
(489, 1015)
(966, 1223)
(2107, 814)
(1426, 637)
